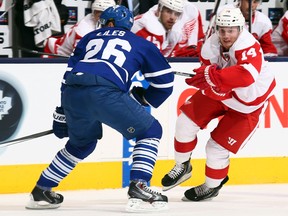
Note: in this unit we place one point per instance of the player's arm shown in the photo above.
(243, 74)
(158, 73)
(268, 47)
(285, 29)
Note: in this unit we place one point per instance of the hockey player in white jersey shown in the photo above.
(261, 25)
(174, 26)
(66, 44)
(280, 35)
(234, 83)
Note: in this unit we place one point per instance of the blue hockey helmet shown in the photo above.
(119, 15)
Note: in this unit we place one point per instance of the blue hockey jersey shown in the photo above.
(117, 54)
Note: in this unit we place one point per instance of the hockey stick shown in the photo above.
(9, 8)
(25, 138)
(40, 53)
(250, 16)
(35, 51)
(212, 19)
(183, 74)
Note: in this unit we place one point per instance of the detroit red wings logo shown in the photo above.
(187, 30)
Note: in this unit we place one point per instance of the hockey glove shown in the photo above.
(60, 128)
(137, 93)
(188, 51)
(215, 94)
(206, 76)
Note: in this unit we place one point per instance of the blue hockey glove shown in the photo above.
(137, 93)
(60, 128)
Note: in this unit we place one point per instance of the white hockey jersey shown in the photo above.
(187, 31)
(43, 17)
(280, 36)
(65, 45)
(244, 59)
(261, 29)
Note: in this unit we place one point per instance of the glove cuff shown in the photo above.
(207, 76)
(217, 93)
(59, 115)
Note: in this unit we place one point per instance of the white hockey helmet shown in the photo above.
(229, 17)
(101, 5)
(175, 5)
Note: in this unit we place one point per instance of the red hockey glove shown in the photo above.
(205, 77)
(215, 94)
(188, 51)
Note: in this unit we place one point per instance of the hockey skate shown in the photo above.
(179, 174)
(202, 192)
(143, 199)
(44, 199)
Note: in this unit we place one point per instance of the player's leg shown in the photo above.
(233, 132)
(196, 114)
(134, 121)
(144, 158)
(42, 196)
(185, 141)
(82, 142)
(216, 171)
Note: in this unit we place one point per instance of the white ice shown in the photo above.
(244, 200)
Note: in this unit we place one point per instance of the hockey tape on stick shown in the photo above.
(183, 74)
(25, 138)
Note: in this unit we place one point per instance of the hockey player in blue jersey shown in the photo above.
(95, 90)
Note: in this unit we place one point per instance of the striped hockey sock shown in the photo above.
(60, 167)
(144, 158)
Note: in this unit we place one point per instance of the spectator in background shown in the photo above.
(174, 26)
(30, 17)
(65, 45)
(64, 16)
(261, 25)
(27, 35)
(280, 35)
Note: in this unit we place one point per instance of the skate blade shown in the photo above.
(183, 179)
(138, 205)
(184, 199)
(38, 205)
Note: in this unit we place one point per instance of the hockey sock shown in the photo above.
(60, 167)
(144, 158)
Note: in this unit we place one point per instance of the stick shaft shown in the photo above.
(183, 74)
(250, 16)
(25, 138)
(212, 19)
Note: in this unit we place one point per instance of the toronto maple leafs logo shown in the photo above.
(11, 109)
(5, 105)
